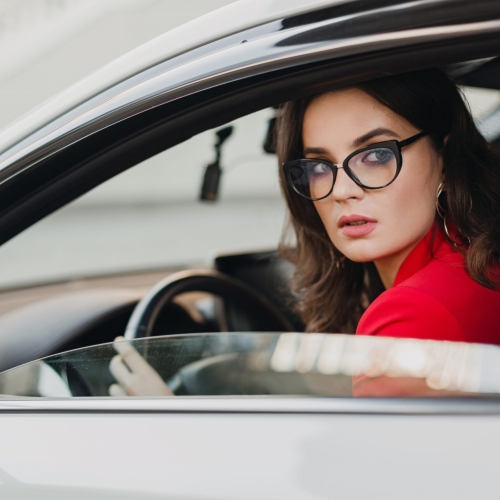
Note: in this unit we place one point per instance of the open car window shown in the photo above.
(272, 364)
(151, 216)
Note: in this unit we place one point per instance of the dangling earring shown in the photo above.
(442, 213)
(439, 209)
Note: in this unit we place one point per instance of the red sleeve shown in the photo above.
(410, 313)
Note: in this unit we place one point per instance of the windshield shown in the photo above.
(241, 364)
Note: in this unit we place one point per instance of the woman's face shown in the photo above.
(383, 225)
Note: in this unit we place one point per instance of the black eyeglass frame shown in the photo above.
(393, 145)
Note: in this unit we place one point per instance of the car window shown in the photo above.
(485, 108)
(236, 364)
(150, 217)
(482, 101)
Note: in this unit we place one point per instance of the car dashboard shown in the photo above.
(53, 318)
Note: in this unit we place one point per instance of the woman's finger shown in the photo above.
(134, 374)
(117, 391)
(120, 371)
(129, 354)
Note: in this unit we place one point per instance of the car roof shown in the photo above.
(233, 18)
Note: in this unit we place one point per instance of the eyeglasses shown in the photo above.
(371, 167)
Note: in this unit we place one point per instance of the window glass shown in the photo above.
(482, 102)
(263, 364)
(485, 107)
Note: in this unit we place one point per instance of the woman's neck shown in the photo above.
(388, 267)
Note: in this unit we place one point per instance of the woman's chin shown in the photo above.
(361, 252)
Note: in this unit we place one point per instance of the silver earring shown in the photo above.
(440, 210)
(442, 213)
(453, 240)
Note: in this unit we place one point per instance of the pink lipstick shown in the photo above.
(356, 226)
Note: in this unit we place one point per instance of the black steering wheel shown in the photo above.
(229, 289)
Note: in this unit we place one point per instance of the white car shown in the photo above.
(260, 411)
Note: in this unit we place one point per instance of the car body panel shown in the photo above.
(248, 456)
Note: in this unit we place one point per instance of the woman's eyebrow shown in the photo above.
(370, 135)
(314, 151)
(356, 142)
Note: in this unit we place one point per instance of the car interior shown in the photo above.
(210, 203)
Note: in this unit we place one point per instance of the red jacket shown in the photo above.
(433, 297)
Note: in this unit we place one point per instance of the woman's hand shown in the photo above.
(134, 374)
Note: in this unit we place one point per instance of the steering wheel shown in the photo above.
(230, 289)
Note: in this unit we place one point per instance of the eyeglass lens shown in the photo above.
(373, 168)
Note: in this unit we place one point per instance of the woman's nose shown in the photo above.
(345, 188)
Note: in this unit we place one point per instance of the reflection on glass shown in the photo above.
(235, 364)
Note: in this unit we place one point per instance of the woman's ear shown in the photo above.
(443, 176)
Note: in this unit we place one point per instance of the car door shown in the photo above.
(250, 420)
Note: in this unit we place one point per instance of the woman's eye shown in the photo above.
(380, 156)
(318, 169)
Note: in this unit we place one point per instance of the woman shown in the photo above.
(394, 199)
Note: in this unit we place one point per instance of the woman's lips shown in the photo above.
(356, 226)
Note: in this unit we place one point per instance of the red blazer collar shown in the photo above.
(434, 244)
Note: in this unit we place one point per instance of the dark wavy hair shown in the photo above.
(333, 291)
